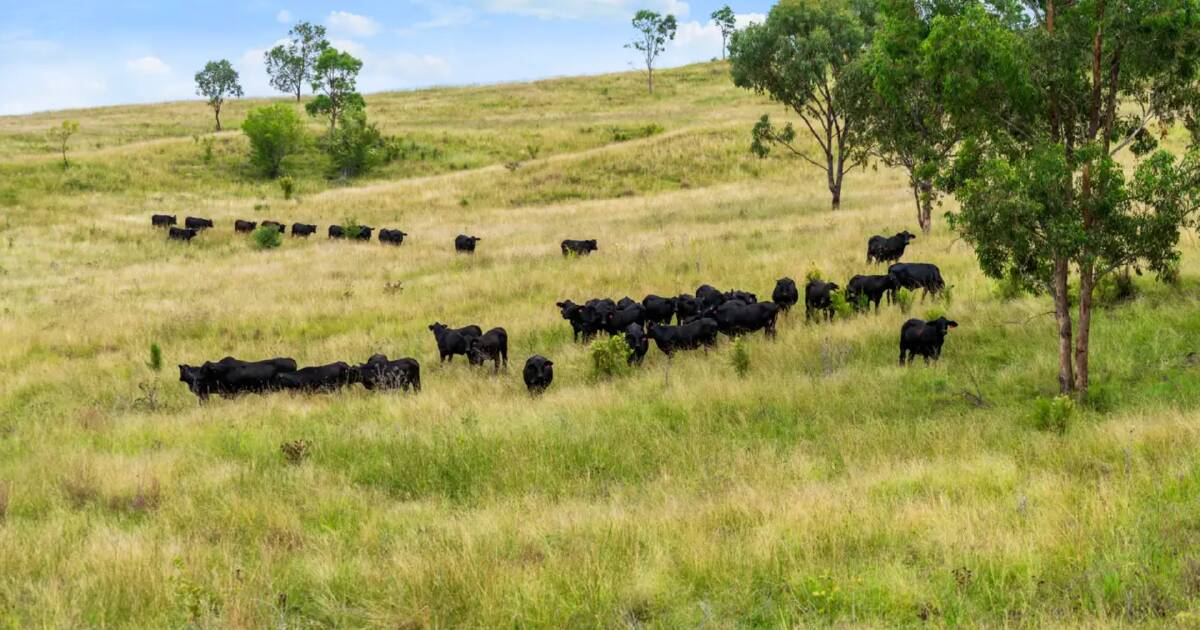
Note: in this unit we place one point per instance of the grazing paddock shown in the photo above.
(826, 486)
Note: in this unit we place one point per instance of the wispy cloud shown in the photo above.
(352, 24)
(284, 16)
(148, 66)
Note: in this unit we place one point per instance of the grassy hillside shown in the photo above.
(826, 487)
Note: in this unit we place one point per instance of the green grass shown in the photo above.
(828, 487)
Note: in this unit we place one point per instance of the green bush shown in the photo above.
(842, 309)
(813, 274)
(740, 357)
(934, 313)
(352, 228)
(623, 134)
(610, 357)
(1115, 288)
(267, 237)
(355, 146)
(275, 131)
(904, 299)
(1053, 414)
(1009, 288)
(287, 185)
(155, 363)
(1170, 273)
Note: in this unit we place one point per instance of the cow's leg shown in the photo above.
(901, 356)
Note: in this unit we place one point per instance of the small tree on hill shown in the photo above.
(726, 21)
(355, 146)
(217, 82)
(275, 131)
(61, 134)
(291, 67)
(335, 76)
(653, 33)
(804, 56)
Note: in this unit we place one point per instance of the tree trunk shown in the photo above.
(1087, 284)
(217, 113)
(723, 45)
(924, 200)
(1062, 314)
(650, 78)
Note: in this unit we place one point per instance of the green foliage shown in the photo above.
(1116, 288)
(217, 82)
(296, 451)
(904, 299)
(155, 363)
(842, 309)
(610, 357)
(288, 186)
(726, 22)
(739, 357)
(861, 303)
(275, 132)
(653, 32)
(355, 146)
(267, 237)
(813, 275)
(1010, 288)
(290, 67)
(623, 134)
(206, 144)
(352, 227)
(1053, 414)
(61, 135)
(335, 77)
(395, 148)
(934, 313)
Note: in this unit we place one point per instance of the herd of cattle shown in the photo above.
(698, 320)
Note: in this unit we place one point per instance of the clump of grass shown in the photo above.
(812, 275)
(624, 134)
(156, 361)
(352, 227)
(904, 299)
(80, 487)
(610, 357)
(934, 313)
(4, 497)
(146, 498)
(1053, 414)
(296, 451)
(946, 295)
(739, 358)
(207, 143)
(287, 185)
(267, 237)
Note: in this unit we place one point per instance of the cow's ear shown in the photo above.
(549, 363)
(952, 324)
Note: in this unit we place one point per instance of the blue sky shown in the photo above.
(56, 55)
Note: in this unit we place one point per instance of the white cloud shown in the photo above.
(45, 87)
(284, 16)
(582, 9)
(148, 66)
(696, 41)
(351, 24)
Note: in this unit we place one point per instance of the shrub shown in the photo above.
(622, 134)
(610, 357)
(1170, 274)
(207, 142)
(1053, 414)
(352, 228)
(355, 146)
(862, 303)
(1115, 288)
(813, 274)
(1010, 288)
(841, 308)
(740, 357)
(267, 237)
(287, 185)
(275, 131)
(155, 362)
(295, 452)
(933, 314)
(904, 298)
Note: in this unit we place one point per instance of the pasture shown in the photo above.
(826, 486)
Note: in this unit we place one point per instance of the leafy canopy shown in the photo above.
(335, 76)
(275, 132)
(290, 67)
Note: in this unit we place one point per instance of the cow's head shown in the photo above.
(943, 324)
(907, 236)
(438, 328)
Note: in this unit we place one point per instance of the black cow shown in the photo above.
(686, 307)
(380, 373)
(786, 295)
(635, 338)
(659, 310)
(491, 346)
(872, 288)
(303, 229)
(464, 244)
(694, 334)
(817, 298)
(625, 303)
(181, 234)
(538, 374)
(595, 316)
(888, 249)
(231, 377)
(573, 313)
(452, 341)
(320, 378)
(578, 248)
(917, 276)
(708, 297)
(391, 237)
(241, 226)
(195, 223)
(620, 319)
(741, 296)
(736, 317)
(162, 220)
(364, 233)
(337, 231)
(924, 338)
(279, 227)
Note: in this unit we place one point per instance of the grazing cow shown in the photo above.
(578, 248)
(162, 220)
(738, 318)
(888, 249)
(538, 374)
(320, 378)
(573, 313)
(872, 287)
(303, 229)
(686, 307)
(391, 237)
(181, 234)
(817, 298)
(625, 303)
(924, 338)
(689, 336)
(337, 231)
(786, 295)
(917, 276)
(364, 233)
(637, 341)
(380, 373)
(491, 346)
(620, 319)
(659, 310)
(708, 297)
(464, 244)
(595, 316)
(230, 377)
(452, 341)
(241, 226)
(279, 227)
(194, 223)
